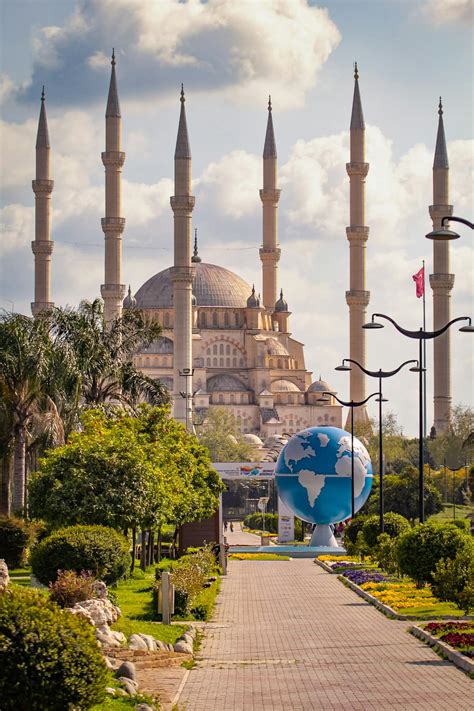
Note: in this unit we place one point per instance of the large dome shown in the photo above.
(212, 286)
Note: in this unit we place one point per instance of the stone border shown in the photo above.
(325, 567)
(389, 611)
(458, 658)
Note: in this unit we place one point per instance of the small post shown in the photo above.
(223, 557)
(167, 598)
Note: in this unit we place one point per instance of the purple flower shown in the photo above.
(364, 576)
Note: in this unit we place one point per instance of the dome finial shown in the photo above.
(440, 107)
(356, 71)
(113, 57)
(195, 257)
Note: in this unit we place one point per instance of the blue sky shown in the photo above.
(230, 55)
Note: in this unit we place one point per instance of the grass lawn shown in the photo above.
(134, 597)
(447, 513)
(431, 612)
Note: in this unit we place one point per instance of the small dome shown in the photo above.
(225, 383)
(320, 386)
(253, 302)
(231, 438)
(274, 347)
(130, 301)
(253, 439)
(285, 386)
(193, 300)
(281, 304)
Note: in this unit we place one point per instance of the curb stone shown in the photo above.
(458, 658)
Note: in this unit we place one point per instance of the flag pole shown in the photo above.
(423, 365)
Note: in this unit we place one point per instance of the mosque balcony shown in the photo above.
(440, 211)
(114, 225)
(355, 168)
(442, 281)
(357, 233)
(42, 187)
(182, 203)
(113, 158)
(42, 246)
(357, 297)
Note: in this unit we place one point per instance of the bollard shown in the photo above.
(223, 558)
(167, 598)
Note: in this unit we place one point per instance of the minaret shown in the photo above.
(42, 246)
(357, 297)
(182, 204)
(113, 224)
(441, 281)
(270, 195)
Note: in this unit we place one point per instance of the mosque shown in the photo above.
(224, 344)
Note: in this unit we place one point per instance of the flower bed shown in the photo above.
(362, 577)
(459, 635)
(258, 556)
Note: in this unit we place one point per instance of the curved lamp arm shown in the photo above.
(424, 335)
(448, 218)
(351, 403)
(379, 373)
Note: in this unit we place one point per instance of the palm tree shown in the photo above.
(24, 362)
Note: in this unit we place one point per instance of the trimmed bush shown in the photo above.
(49, 659)
(16, 535)
(453, 580)
(99, 550)
(394, 525)
(462, 523)
(352, 529)
(420, 549)
(69, 588)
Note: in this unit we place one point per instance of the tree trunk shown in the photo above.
(151, 547)
(158, 552)
(5, 491)
(175, 541)
(143, 551)
(134, 548)
(19, 478)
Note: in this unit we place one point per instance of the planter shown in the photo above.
(389, 611)
(458, 658)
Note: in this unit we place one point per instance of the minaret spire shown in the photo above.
(182, 204)
(270, 195)
(195, 258)
(441, 282)
(113, 224)
(357, 297)
(42, 246)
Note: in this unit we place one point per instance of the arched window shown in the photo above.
(208, 351)
(232, 398)
(241, 362)
(279, 363)
(221, 398)
(290, 399)
(221, 362)
(214, 362)
(227, 350)
(234, 362)
(270, 363)
(221, 349)
(226, 319)
(227, 362)
(203, 319)
(214, 349)
(208, 362)
(237, 319)
(167, 319)
(214, 318)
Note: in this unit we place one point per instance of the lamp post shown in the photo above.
(379, 374)
(352, 404)
(444, 234)
(422, 336)
(453, 471)
(187, 373)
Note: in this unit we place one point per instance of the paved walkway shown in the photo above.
(289, 636)
(240, 538)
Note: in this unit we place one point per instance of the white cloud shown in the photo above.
(17, 226)
(243, 47)
(231, 185)
(442, 12)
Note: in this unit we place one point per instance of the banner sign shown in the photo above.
(286, 523)
(245, 470)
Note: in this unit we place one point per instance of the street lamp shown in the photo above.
(421, 335)
(187, 373)
(453, 471)
(352, 404)
(379, 374)
(444, 234)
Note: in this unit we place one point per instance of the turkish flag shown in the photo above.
(419, 279)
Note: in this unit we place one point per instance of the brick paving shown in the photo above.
(240, 537)
(288, 635)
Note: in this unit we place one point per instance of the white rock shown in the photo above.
(161, 647)
(110, 691)
(4, 576)
(119, 636)
(102, 612)
(136, 642)
(107, 640)
(149, 641)
(187, 638)
(129, 685)
(182, 646)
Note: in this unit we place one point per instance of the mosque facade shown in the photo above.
(223, 344)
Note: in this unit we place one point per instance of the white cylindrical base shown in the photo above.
(323, 537)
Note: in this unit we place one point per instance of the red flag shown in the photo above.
(419, 279)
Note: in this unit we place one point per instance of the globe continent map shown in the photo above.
(313, 474)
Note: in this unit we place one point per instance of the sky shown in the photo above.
(230, 55)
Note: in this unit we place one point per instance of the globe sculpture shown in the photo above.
(313, 477)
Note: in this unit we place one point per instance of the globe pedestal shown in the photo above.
(323, 536)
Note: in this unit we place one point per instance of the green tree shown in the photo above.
(456, 445)
(221, 434)
(401, 495)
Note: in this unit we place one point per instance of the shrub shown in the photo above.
(49, 659)
(394, 525)
(462, 523)
(16, 535)
(385, 553)
(352, 529)
(69, 588)
(453, 580)
(421, 548)
(100, 550)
